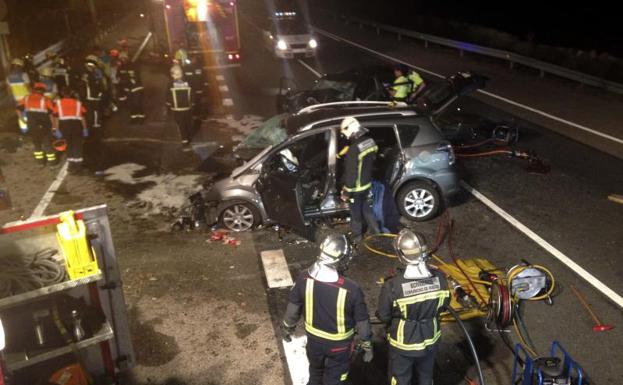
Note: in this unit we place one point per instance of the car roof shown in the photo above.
(307, 120)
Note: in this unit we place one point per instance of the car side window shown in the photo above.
(408, 133)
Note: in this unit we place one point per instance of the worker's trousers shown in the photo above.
(137, 114)
(360, 210)
(401, 368)
(40, 128)
(94, 114)
(184, 122)
(73, 135)
(328, 364)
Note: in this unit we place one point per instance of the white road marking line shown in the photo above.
(509, 101)
(220, 78)
(223, 88)
(390, 58)
(47, 197)
(298, 365)
(228, 102)
(318, 74)
(547, 246)
(276, 268)
(553, 117)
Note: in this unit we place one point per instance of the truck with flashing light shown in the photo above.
(207, 29)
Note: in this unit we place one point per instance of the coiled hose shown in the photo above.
(30, 272)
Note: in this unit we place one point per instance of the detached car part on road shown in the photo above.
(414, 160)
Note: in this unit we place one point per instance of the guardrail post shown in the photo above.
(360, 25)
(542, 74)
(378, 30)
(511, 65)
(461, 52)
(425, 43)
(399, 37)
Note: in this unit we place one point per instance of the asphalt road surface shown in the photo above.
(201, 311)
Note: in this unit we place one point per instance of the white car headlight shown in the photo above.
(281, 45)
(313, 43)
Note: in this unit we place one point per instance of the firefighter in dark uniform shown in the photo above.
(123, 77)
(135, 96)
(193, 73)
(38, 107)
(333, 307)
(91, 93)
(409, 304)
(180, 101)
(359, 157)
(61, 72)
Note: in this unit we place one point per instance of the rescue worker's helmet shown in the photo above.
(176, 72)
(47, 72)
(411, 247)
(114, 53)
(334, 249)
(350, 126)
(17, 62)
(59, 60)
(28, 57)
(40, 87)
(402, 68)
(123, 56)
(91, 60)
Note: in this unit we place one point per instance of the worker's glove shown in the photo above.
(344, 196)
(287, 332)
(85, 132)
(368, 352)
(57, 133)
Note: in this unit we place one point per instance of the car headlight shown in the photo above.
(313, 43)
(281, 45)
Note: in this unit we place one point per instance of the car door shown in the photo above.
(281, 193)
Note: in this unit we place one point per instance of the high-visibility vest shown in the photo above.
(401, 88)
(18, 82)
(69, 109)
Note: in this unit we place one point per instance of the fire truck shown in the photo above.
(207, 29)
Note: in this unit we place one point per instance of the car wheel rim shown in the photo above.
(238, 218)
(419, 203)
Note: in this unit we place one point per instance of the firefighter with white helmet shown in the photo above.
(409, 305)
(333, 307)
(47, 77)
(180, 102)
(359, 157)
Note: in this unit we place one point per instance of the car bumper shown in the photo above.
(291, 53)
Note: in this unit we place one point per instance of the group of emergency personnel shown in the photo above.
(67, 104)
(333, 309)
(333, 306)
(407, 85)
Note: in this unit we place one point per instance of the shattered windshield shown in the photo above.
(345, 89)
(270, 133)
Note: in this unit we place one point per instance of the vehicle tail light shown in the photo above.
(447, 147)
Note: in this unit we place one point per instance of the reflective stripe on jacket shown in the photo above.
(179, 96)
(69, 109)
(18, 82)
(411, 308)
(331, 309)
(358, 163)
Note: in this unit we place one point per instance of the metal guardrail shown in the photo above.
(511, 57)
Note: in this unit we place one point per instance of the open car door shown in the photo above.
(282, 196)
(436, 98)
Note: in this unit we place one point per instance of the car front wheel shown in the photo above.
(239, 216)
(418, 201)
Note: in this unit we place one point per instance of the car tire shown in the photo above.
(238, 216)
(418, 201)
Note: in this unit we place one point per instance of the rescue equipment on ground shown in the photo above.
(60, 145)
(557, 369)
(79, 257)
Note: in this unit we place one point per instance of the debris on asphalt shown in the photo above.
(224, 237)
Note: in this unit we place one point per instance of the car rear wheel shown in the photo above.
(418, 201)
(239, 216)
